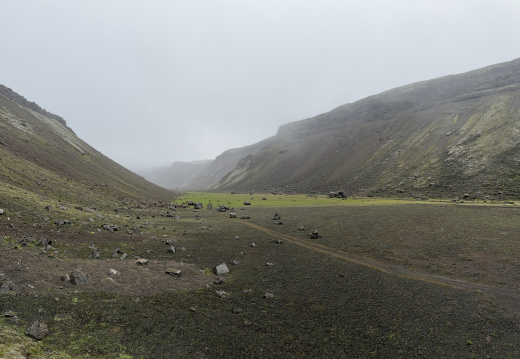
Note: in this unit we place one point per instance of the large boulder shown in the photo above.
(221, 269)
(78, 277)
(38, 330)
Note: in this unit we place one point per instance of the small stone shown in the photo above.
(113, 271)
(142, 261)
(268, 295)
(9, 313)
(221, 293)
(173, 272)
(219, 281)
(237, 310)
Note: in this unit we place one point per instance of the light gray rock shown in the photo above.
(221, 269)
(112, 271)
(78, 277)
(142, 261)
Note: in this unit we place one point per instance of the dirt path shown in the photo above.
(506, 295)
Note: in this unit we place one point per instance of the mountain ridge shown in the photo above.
(41, 156)
(453, 136)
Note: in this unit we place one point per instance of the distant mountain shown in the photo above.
(202, 174)
(457, 136)
(41, 159)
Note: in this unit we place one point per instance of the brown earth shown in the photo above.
(32, 271)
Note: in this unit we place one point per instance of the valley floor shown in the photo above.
(385, 279)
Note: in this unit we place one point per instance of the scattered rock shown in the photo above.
(78, 277)
(277, 241)
(253, 244)
(113, 271)
(65, 278)
(2, 211)
(62, 222)
(222, 208)
(237, 310)
(171, 249)
(268, 295)
(173, 272)
(247, 203)
(11, 316)
(219, 281)
(221, 293)
(301, 228)
(124, 256)
(6, 286)
(277, 217)
(245, 216)
(221, 269)
(234, 262)
(232, 215)
(269, 264)
(95, 254)
(110, 227)
(141, 261)
(314, 234)
(38, 330)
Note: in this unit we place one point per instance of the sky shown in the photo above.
(151, 82)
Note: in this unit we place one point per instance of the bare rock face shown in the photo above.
(38, 330)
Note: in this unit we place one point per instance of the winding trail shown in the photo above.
(507, 295)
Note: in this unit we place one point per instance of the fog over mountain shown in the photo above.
(457, 136)
(151, 83)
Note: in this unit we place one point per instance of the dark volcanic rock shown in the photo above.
(38, 330)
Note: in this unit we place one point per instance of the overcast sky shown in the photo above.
(152, 82)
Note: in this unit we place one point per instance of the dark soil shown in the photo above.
(345, 295)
